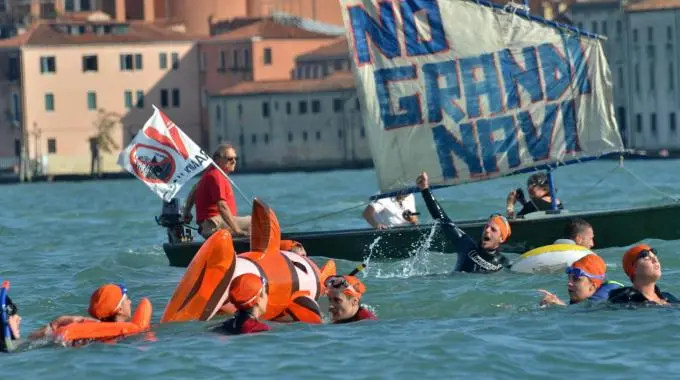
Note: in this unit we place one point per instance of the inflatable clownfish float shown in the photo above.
(293, 283)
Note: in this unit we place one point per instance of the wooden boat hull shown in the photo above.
(613, 228)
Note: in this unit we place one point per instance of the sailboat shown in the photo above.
(472, 91)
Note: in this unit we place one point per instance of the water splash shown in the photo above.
(371, 250)
(419, 262)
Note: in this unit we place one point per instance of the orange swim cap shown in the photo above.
(502, 224)
(288, 245)
(631, 256)
(245, 290)
(592, 264)
(105, 301)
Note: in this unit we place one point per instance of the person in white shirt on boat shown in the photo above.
(539, 197)
(578, 232)
(390, 212)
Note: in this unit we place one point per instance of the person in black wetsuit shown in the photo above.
(473, 257)
(539, 197)
(643, 267)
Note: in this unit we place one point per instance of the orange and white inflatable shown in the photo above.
(106, 331)
(293, 282)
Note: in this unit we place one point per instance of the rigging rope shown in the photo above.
(328, 214)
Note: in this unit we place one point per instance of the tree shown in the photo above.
(103, 141)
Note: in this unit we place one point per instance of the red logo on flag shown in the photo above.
(173, 142)
(151, 164)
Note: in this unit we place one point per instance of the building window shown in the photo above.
(304, 135)
(288, 108)
(316, 106)
(240, 110)
(650, 34)
(48, 64)
(653, 124)
(619, 28)
(234, 59)
(672, 122)
(140, 99)
(223, 60)
(90, 63)
(357, 105)
(362, 132)
(164, 98)
(302, 107)
(175, 97)
(265, 109)
(290, 136)
(338, 105)
(253, 139)
(246, 58)
(637, 77)
(138, 61)
(51, 146)
(604, 28)
(669, 33)
(638, 126)
(318, 135)
(339, 133)
(267, 56)
(241, 139)
(91, 100)
(621, 115)
(16, 107)
(163, 60)
(635, 36)
(13, 71)
(671, 75)
(128, 99)
(266, 138)
(175, 61)
(621, 83)
(49, 101)
(594, 27)
(218, 113)
(652, 83)
(130, 62)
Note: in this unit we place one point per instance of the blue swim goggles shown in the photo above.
(578, 272)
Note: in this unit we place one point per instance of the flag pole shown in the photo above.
(232, 182)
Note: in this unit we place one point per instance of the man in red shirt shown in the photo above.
(214, 197)
(344, 297)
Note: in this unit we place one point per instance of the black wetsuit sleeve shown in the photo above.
(463, 242)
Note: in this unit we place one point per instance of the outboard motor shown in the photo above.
(171, 218)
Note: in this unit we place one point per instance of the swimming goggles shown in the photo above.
(645, 253)
(340, 282)
(123, 290)
(10, 308)
(578, 272)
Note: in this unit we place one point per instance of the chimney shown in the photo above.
(120, 10)
(149, 11)
(35, 9)
(59, 7)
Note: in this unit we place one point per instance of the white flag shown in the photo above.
(163, 157)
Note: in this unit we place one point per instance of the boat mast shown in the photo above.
(551, 189)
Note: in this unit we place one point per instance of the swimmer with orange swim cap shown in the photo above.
(484, 257)
(248, 293)
(109, 303)
(344, 297)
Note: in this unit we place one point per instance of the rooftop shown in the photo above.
(50, 33)
(336, 49)
(334, 82)
(653, 5)
(266, 28)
